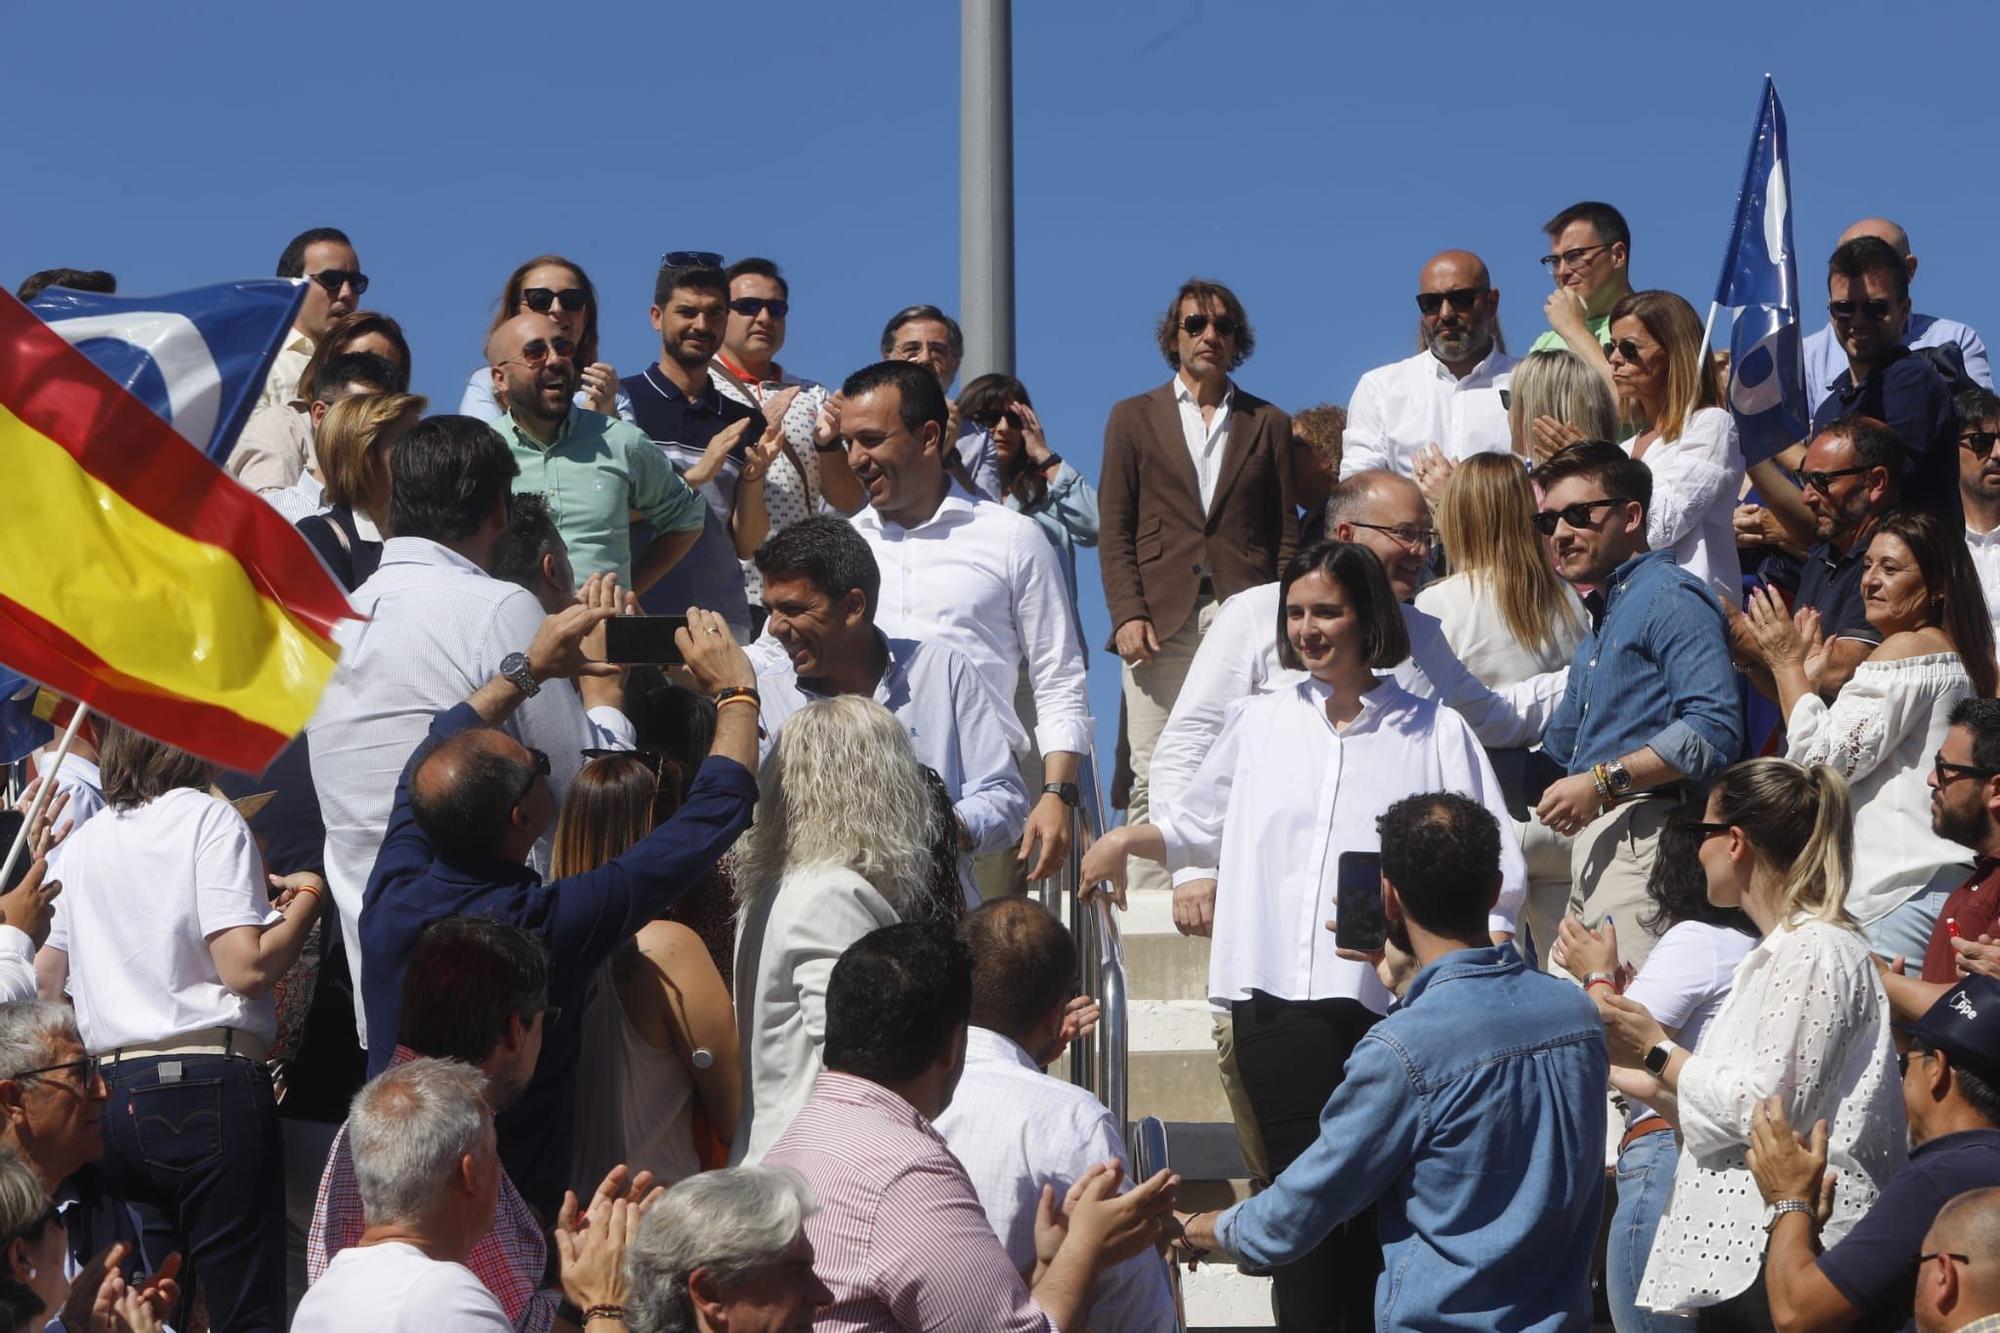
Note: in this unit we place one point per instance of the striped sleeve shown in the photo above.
(939, 1264)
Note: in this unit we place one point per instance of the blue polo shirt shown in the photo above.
(1915, 402)
(1874, 1265)
(1830, 583)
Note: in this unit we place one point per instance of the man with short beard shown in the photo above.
(1447, 396)
(1979, 490)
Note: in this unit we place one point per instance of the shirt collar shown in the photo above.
(1626, 572)
(957, 500)
(1486, 368)
(1385, 700)
(1494, 960)
(985, 1046)
(1183, 394)
(710, 400)
(848, 1090)
(424, 551)
(508, 424)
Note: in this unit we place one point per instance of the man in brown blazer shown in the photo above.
(1195, 504)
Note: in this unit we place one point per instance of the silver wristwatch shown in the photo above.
(514, 666)
(1783, 1206)
(1619, 778)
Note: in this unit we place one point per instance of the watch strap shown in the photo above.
(514, 666)
(1071, 794)
(1783, 1206)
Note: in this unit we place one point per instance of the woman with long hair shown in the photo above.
(1921, 593)
(1295, 782)
(355, 440)
(274, 453)
(1554, 400)
(1034, 479)
(658, 1030)
(559, 288)
(1687, 437)
(1805, 1022)
(841, 846)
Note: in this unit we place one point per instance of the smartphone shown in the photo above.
(642, 639)
(1358, 922)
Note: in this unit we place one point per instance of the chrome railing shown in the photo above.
(1097, 1060)
(1148, 1147)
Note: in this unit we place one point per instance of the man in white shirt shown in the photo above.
(428, 1168)
(1447, 396)
(1979, 490)
(1014, 1127)
(437, 629)
(968, 573)
(1825, 358)
(325, 258)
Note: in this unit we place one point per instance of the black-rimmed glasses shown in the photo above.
(1572, 258)
(1980, 442)
(749, 306)
(1576, 515)
(88, 1070)
(1947, 772)
(1417, 539)
(1872, 311)
(1196, 325)
(538, 766)
(1820, 481)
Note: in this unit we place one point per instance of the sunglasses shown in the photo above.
(1576, 515)
(1872, 311)
(993, 416)
(1822, 481)
(333, 279)
(536, 350)
(1196, 325)
(1419, 539)
(538, 766)
(1627, 348)
(749, 306)
(1947, 773)
(1980, 442)
(1462, 299)
(690, 259)
(1571, 258)
(652, 759)
(539, 299)
(88, 1070)
(1707, 830)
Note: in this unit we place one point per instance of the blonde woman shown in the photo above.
(1555, 400)
(354, 442)
(841, 846)
(1806, 1023)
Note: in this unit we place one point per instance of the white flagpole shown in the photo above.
(42, 795)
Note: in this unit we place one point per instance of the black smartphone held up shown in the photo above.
(1358, 922)
(630, 640)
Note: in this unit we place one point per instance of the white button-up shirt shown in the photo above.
(282, 384)
(1016, 1129)
(1985, 550)
(982, 578)
(1204, 438)
(436, 628)
(1282, 794)
(1399, 408)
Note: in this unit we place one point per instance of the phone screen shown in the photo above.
(642, 639)
(1358, 922)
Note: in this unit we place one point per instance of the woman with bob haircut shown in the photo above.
(355, 440)
(1295, 782)
(559, 288)
(1555, 400)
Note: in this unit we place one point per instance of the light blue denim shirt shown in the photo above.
(1473, 1118)
(1067, 516)
(1655, 673)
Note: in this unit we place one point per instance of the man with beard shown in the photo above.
(721, 447)
(1979, 490)
(1445, 397)
(594, 469)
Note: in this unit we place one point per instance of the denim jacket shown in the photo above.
(1655, 673)
(1473, 1118)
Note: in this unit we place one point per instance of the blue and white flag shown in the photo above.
(198, 358)
(1760, 286)
(23, 729)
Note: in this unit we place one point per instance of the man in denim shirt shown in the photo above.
(1472, 1117)
(1651, 702)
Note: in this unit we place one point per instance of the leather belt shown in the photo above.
(204, 1041)
(1639, 1129)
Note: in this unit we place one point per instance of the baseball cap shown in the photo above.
(1965, 1024)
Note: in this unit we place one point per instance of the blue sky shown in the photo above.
(1310, 155)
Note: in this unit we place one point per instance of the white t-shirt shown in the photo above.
(396, 1288)
(1684, 981)
(143, 891)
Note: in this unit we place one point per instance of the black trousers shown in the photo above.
(1291, 1055)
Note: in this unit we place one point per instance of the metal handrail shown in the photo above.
(1147, 1143)
(1097, 1060)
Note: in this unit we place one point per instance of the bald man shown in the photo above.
(595, 470)
(1448, 394)
(1958, 1276)
(1825, 358)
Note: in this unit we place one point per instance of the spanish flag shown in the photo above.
(138, 578)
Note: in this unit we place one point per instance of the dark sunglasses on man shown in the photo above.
(1872, 311)
(333, 279)
(1196, 325)
(538, 766)
(690, 259)
(540, 299)
(1823, 481)
(1462, 299)
(749, 306)
(1980, 442)
(1576, 515)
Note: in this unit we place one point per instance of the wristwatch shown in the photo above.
(514, 666)
(1072, 795)
(1620, 779)
(1656, 1059)
(1783, 1206)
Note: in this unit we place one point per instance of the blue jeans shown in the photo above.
(193, 1142)
(1906, 931)
(1645, 1174)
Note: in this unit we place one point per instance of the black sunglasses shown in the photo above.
(1462, 299)
(536, 350)
(1571, 258)
(1627, 348)
(88, 1070)
(690, 259)
(333, 279)
(993, 416)
(1195, 325)
(539, 299)
(1923, 1259)
(1820, 481)
(1869, 310)
(1705, 829)
(1949, 772)
(1980, 442)
(652, 759)
(538, 766)
(748, 306)
(1576, 515)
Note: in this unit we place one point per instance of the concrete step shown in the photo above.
(1176, 1085)
(1218, 1299)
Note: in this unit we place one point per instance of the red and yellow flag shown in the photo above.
(137, 577)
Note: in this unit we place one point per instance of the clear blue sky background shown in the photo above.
(1312, 155)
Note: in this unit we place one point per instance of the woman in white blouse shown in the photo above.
(1805, 1021)
(1921, 594)
(1687, 437)
(841, 846)
(1297, 777)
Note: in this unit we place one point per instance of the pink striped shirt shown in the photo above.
(900, 1237)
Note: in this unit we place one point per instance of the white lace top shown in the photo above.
(1881, 733)
(1805, 1020)
(789, 495)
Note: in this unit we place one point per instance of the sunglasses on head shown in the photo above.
(1196, 325)
(1462, 299)
(1872, 311)
(650, 758)
(538, 766)
(690, 259)
(539, 299)
(1576, 515)
(536, 350)
(748, 306)
(1980, 442)
(333, 279)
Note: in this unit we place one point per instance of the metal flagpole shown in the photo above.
(42, 795)
(986, 185)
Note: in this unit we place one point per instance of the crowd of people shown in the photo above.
(637, 936)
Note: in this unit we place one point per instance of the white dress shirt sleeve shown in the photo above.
(1365, 444)
(554, 721)
(992, 800)
(1466, 769)
(1049, 643)
(1691, 476)
(17, 965)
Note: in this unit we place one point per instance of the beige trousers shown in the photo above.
(1150, 691)
(1610, 862)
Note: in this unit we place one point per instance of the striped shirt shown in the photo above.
(900, 1237)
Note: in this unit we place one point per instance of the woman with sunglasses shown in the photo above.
(276, 445)
(1686, 436)
(658, 1030)
(1805, 1021)
(553, 286)
(1921, 594)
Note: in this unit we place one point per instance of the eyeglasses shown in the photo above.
(1872, 311)
(551, 1016)
(1576, 515)
(538, 766)
(911, 351)
(1572, 258)
(1629, 349)
(748, 306)
(88, 1070)
(690, 259)
(536, 350)
(1196, 325)
(1822, 481)
(1418, 539)
(1948, 773)
(333, 279)
(1980, 442)
(1462, 299)
(652, 759)
(539, 299)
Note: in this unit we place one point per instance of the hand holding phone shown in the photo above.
(648, 640)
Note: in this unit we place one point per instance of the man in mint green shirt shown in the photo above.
(1590, 253)
(596, 471)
